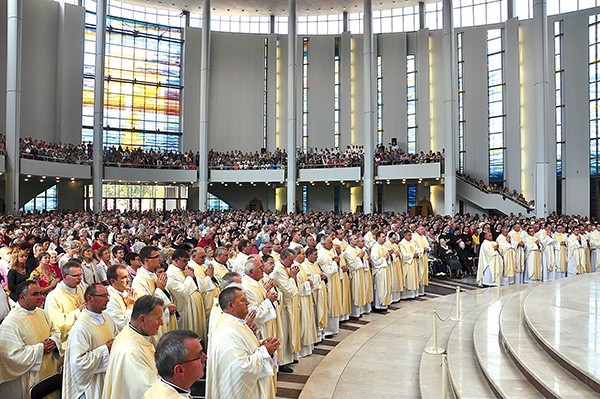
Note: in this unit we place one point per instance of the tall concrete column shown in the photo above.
(204, 107)
(292, 105)
(14, 27)
(450, 109)
(421, 15)
(543, 135)
(97, 167)
(368, 112)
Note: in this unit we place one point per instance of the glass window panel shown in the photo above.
(496, 125)
(496, 109)
(495, 93)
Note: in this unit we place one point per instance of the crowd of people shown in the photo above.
(494, 188)
(236, 159)
(353, 155)
(131, 300)
(137, 157)
(394, 155)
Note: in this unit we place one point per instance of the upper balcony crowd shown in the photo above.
(137, 157)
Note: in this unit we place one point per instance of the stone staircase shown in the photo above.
(531, 341)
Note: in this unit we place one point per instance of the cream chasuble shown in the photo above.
(516, 237)
(161, 390)
(62, 304)
(236, 366)
(381, 275)
(117, 309)
(307, 324)
(144, 283)
(210, 291)
(395, 267)
(22, 358)
(490, 258)
(560, 251)
(356, 270)
(319, 293)
(422, 243)
(265, 310)
(131, 367)
(410, 265)
(533, 258)
(334, 286)
(290, 312)
(576, 255)
(86, 356)
(507, 251)
(189, 302)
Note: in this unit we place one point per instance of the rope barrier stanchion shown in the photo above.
(435, 350)
(457, 316)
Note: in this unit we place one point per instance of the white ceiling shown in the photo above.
(274, 7)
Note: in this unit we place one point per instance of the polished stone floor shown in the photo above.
(525, 341)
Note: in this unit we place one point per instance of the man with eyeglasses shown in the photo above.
(65, 302)
(180, 362)
(88, 347)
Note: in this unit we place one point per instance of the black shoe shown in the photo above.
(295, 361)
(285, 369)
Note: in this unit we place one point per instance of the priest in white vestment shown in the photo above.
(88, 347)
(354, 260)
(238, 366)
(328, 262)
(593, 237)
(560, 252)
(507, 250)
(533, 257)
(382, 281)
(180, 362)
(30, 344)
(131, 365)
(121, 296)
(261, 301)
(517, 236)
(576, 245)
(410, 266)
(64, 303)
(148, 282)
(186, 295)
(284, 274)
(419, 238)
(490, 262)
(319, 291)
(205, 280)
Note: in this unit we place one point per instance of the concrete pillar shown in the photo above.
(97, 167)
(14, 28)
(543, 135)
(204, 107)
(368, 112)
(292, 106)
(450, 110)
(421, 14)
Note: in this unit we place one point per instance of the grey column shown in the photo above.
(510, 6)
(204, 107)
(97, 167)
(450, 109)
(421, 15)
(14, 26)
(368, 113)
(543, 135)
(292, 105)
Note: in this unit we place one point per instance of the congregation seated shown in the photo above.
(296, 278)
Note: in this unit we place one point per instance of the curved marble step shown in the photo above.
(465, 375)
(564, 318)
(502, 374)
(551, 379)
